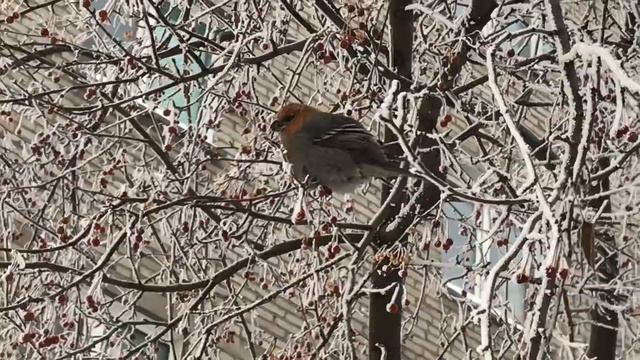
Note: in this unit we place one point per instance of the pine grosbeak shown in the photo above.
(332, 150)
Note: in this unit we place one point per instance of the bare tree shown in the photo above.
(147, 209)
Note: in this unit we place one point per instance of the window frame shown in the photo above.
(173, 345)
(512, 308)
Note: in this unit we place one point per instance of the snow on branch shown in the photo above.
(591, 51)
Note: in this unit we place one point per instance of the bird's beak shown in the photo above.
(276, 126)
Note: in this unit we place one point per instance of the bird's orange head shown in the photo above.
(288, 114)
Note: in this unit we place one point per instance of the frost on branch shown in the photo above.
(146, 206)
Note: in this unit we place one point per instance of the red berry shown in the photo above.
(103, 16)
(632, 136)
(319, 46)
(351, 8)
(448, 242)
(29, 316)
(166, 112)
(324, 191)
(563, 273)
(335, 249)
(393, 308)
(300, 217)
(86, 4)
(346, 43)
(9, 20)
(522, 279)
(95, 242)
(44, 32)
(63, 299)
(622, 132)
(511, 53)
(168, 147)
(551, 272)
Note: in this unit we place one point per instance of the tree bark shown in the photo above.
(385, 326)
(604, 328)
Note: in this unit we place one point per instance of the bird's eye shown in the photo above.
(287, 118)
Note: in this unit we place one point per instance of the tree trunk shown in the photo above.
(604, 329)
(384, 325)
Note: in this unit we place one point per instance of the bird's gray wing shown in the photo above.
(347, 134)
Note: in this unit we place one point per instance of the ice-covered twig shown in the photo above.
(591, 50)
(515, 133)
(434, 14)
(620, 78)
(488, 288)
(426, 174)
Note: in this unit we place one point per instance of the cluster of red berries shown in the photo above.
(44, 32)
(632, 136)
(446, 120)
(51, 340)
(13, 17)
(92, 303)
(552, 272)
(249, 275)
(448, 243)
(333, 251)
(138, 240)
(324, 191)
(324, 55)
(90, 93)
(352, 8)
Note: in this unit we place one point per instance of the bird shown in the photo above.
(332, 150)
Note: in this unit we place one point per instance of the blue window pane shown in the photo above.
(116, 27)
(462, 252)
(175, 98)
(512, 292)
(467, 250)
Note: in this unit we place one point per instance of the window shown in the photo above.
(119, 27)
(109, 348)
(184, 99)
(125, 339)
(468, 227)
(163, 351)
